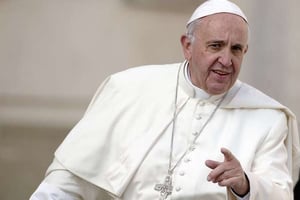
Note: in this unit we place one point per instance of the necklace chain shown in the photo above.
(167, 187)
(171, 169)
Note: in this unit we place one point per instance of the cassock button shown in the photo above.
(202, 103)
(195, 133)
(178, 189)
(198, 116)
(181, 173)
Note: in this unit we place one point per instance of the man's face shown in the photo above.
(216, 52)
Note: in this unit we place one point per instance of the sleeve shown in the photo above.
(269, 175)
(60, 184)
(246, 197)
(232, 196)
(47, 191)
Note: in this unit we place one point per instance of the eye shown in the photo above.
(237, 48)
(215, 46)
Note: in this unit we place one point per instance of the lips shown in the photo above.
(221, 72)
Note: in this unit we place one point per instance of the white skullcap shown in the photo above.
(211, 7)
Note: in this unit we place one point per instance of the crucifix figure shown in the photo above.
(165, 189)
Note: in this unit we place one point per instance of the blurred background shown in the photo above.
(55, 53)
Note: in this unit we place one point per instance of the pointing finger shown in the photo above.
(212, 164)
(227, 154)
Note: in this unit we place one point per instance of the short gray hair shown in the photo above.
(191, 28)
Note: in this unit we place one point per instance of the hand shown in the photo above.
(228, 173)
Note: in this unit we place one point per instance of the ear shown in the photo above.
(186, 46)
(246, 49)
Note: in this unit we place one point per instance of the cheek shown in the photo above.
(187, 55)
(237, 67)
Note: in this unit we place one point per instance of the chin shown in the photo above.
(218, 88)
(216, 91)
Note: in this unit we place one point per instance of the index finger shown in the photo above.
(227, 154)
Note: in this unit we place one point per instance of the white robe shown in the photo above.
(133, 109)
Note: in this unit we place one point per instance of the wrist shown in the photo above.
(243, 189)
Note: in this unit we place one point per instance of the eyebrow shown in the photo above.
(222, 42)
(215, 41)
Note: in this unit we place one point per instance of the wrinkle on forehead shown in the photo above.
(224, 26)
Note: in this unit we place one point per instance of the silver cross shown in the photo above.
(165, 189)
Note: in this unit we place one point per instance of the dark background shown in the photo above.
(297, 191)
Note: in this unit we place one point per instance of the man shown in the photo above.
(182, 131)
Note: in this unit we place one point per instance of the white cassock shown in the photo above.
(122, 144)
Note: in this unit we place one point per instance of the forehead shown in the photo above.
(223, 26)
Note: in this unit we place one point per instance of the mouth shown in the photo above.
(220, 72)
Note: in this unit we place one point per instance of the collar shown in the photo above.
(195, 92)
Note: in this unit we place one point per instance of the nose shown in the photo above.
(225, 58)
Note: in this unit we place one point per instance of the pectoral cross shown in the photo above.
(165, 189)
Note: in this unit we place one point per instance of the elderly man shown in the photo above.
(182, 131)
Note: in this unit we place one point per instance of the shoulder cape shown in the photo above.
(129, 112)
